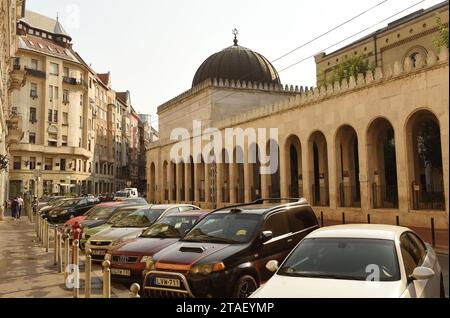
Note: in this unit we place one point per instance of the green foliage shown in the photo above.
(350, 67)
(442, 40)
(429, 144)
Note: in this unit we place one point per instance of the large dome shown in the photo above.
(237, 63)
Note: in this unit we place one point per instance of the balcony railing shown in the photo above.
(35, 73)
(428, 197)
(74, 81)
(384, 196)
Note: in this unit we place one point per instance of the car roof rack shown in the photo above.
(234, 207)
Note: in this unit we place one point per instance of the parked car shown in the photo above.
(128, 260)
(131, 227)
(46, 201)
(43, 212)
(112, 215)
(358, 260)
(71, 209)
(224, 254)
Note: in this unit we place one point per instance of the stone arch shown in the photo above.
(424, 159)
(382, 164)
(293, 166)
(413, 52)
(318, 171)
(347, 167)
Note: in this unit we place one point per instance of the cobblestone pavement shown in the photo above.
(27, 271)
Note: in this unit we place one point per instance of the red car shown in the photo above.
(90, 215)
(128, 260)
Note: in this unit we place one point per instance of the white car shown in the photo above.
(357, 261)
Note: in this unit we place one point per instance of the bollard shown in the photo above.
(321, 218)
(66, 255)
(47, 236)
(106, 279)
(343, 218)
(76, 262)
(433, 234)
(55, 235)
(397, 220)
(40, 230)
(87, 271)
(60, 258)
(134, 289)
(368, 218)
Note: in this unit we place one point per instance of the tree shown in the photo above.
(350, 67)
(429, 143)
(442, 39)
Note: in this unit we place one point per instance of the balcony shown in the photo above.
(35, 73)
(18, 76)
(15, 131)
(74, 81)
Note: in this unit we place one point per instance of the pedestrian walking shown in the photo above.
(35, 205)
(21, 204)
(14, 208)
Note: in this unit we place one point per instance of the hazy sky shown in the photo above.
(154, 47)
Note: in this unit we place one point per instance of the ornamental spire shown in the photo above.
(235, 33)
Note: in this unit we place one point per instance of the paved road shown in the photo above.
(443, 261)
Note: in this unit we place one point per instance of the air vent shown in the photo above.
(192, 249)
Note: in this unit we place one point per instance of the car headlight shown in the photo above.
(144, 259)
(206, 269)
(107, 257)
(149, 263)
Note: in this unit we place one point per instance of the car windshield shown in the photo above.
(69, 202)
(343, 258)
(119, 215)
(100, 212)
(173, 226)
(121, 194)
(224, 228)
(140, 218)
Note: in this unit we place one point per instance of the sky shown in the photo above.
(153, 47)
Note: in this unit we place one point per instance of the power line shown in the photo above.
(304, 59)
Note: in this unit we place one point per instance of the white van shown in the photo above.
(133, 192)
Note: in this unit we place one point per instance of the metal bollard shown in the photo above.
(66, 255)
(47, 236)
(134, 289)
(106, 279)
(433, 234)
(397, 220)
(368, 218)
(343, 218)
(39, 230)
(60, 257)
(87, 271)
(76, 262)
(321, 218)
(55, 234)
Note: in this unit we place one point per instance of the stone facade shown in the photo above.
(354, 147)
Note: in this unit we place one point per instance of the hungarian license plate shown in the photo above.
(120, 272)
(98, 252)
(167, 282)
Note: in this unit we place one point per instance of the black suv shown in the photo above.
(71, 208)
(225, 254)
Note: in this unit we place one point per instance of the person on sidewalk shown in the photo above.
(21, 204)
(14, 208)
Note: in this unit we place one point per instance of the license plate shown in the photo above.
(168, 282)
(121, 272)
(98, 252)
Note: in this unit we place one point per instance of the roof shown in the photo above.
(369, 231)
(237, 63)
(122, 96)
(44, 23)
(48, 47)
(168, 206)
(104, 78)
(189, 213)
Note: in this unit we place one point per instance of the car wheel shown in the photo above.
(245, 286)
(442, 287)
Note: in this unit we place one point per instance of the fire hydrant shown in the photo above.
(76, 231)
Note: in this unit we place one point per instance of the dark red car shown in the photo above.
(128, 260)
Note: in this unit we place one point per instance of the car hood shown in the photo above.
(144, 246)
(94, 230)
(92, 223)
(77, 219)
(303, 287)
(117, 233)
(190, 253)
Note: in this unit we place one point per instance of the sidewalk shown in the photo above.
(26, 270)
(442, 239)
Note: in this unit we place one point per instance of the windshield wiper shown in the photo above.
(318, 275)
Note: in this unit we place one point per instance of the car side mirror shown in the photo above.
(422, 273)
(267, 235)
(272, 266)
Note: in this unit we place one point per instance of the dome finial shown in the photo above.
(235, 33)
